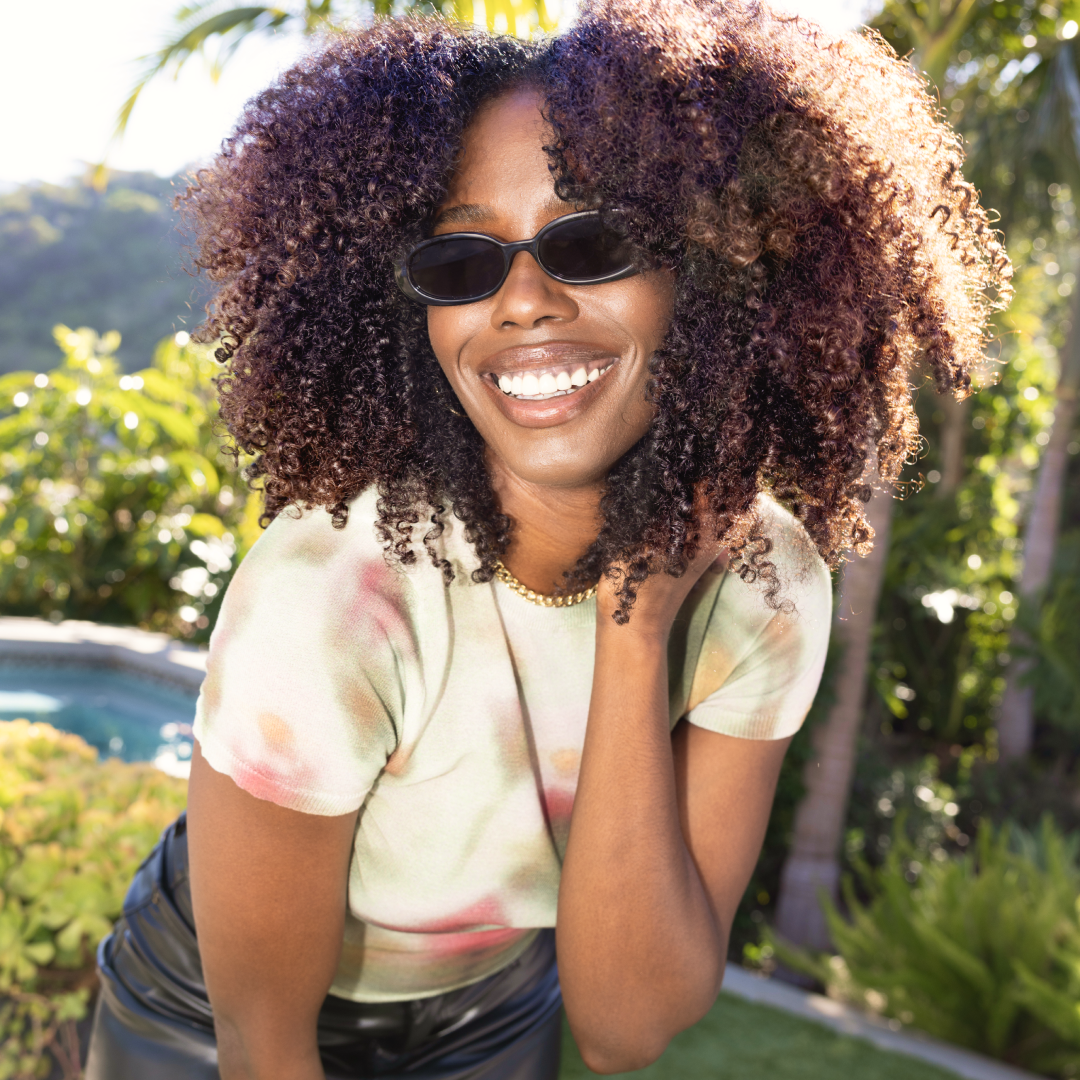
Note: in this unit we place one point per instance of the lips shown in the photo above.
(540, 385)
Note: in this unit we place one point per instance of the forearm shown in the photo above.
(266, 980)
(266, 987)
(254, 1050)
(641, 951)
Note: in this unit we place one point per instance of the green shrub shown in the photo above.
(73, 830)
(982, 950)
(885, 791)
(114, 506)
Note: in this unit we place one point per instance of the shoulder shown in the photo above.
(305, 577)
(803, 580)
(314, 638)
(307, 540)
(764, 647)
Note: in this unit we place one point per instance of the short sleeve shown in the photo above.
(760, 666)
(306, 668)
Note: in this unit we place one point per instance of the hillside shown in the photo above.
(109, 260)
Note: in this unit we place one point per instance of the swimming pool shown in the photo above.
(118, 712)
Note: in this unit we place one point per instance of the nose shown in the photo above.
(529, 297)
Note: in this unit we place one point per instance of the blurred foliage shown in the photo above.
(201, 24)
(982, 950)
(116, 503)
(73, 255)
(73, 831)
(927, 779)
(887, 796)
(949, 596)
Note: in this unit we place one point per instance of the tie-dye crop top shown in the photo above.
(454, 717)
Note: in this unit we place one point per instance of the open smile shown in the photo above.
(543, 385)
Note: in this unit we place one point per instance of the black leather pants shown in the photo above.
(154, 1022)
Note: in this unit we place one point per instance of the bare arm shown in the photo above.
(268, 886)
(664, 836)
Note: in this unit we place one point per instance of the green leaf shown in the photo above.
(1059, 1010)
(40, 952)
(196, 466)
(982, 949)
(206, 525)
(168, 391)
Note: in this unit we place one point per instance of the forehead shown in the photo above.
(502, 153)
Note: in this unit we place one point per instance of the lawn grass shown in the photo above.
(739, 1040)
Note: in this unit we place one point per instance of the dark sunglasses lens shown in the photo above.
(584, 249)
(457, 268)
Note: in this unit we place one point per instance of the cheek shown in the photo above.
(649, 305)
(637, 310)
(449, 328)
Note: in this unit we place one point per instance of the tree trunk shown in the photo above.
(1016, 725)
(953, 430)
(813, 863)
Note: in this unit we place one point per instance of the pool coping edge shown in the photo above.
(122, 648)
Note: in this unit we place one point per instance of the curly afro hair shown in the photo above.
(804, 189)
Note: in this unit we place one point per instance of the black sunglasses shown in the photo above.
(461, 268)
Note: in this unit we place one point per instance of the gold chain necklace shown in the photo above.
(543, 599)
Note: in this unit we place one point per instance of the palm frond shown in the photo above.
(319, 15)
(200, 22)
(194, 34)
(1055, 124)
(940, 45)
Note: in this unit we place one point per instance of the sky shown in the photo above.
(67, 65)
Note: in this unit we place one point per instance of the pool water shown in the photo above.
(121, 714)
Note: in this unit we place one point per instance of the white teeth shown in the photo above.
(540, 387)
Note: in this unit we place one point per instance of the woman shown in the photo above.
(566, 368)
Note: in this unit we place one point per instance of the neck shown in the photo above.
(553, 527)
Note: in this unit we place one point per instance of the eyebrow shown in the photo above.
(464, 214)
(477, 214)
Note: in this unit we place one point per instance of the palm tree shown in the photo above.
(1016, 724)
(202, 23)
(931, 34)
(1054, 135)
(1018, 144)
(813, 862)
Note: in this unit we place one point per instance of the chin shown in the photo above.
(575, 473)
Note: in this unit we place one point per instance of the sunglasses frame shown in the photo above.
(508, 251)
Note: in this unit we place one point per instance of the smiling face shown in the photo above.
(552, 375)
